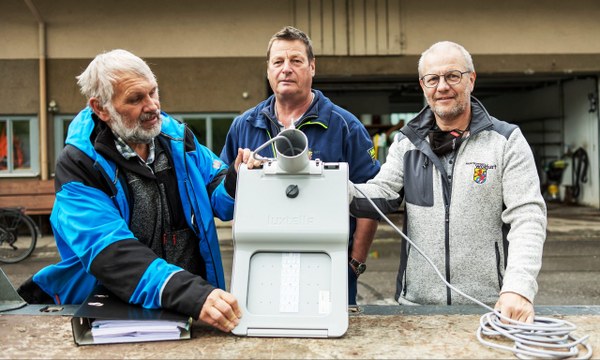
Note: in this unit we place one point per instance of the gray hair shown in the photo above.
(290, 33)
(101, 75)
(445, 45)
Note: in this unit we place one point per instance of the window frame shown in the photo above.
(34, 147)
(209, 118)
(59, 137)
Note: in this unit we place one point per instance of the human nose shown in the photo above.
(151, 104)
(442, 83)
(287, 67)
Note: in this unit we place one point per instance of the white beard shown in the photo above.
(136, 134)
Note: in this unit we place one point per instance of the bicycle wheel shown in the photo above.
(17, 236)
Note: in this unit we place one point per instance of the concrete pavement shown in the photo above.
(571, 262)
(568, 277)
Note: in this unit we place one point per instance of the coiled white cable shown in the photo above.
(545, 338)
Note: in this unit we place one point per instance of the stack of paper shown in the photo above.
(104, 319)
(116, 331)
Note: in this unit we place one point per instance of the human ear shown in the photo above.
(99, 109)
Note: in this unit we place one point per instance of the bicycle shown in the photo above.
(18, 235)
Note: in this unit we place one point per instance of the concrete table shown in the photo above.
(392, 332)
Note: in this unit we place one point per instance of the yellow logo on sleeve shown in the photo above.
(372, 153)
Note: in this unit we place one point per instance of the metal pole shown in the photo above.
(43, 94)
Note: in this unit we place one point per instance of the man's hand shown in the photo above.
(516, 307)
(221, 310)
(245, 156)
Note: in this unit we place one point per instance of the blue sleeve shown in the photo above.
(213, 170)
(92, 227)
(360, 154)
(229, 151)
(88, 221)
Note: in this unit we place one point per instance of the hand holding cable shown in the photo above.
(543, 338)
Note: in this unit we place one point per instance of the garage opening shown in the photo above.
(558, 114)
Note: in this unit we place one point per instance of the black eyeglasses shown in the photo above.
(452, 77)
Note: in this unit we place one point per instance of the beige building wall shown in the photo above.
(208, 53)
(231, 28)
(209, 56)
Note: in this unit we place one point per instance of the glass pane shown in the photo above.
(3, 146)
(65, 127)
(220, 129)
(219, 126)
(198, 127)
(21, 145)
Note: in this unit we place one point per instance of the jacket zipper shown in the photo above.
(500, 278)
(447, 244)
(193, 218)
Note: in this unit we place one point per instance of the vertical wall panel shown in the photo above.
(370, 16)
(381, 27)
(301, 15)
(315, 21)
(351, 27)
(340, 19)
(328, 24)
(394, 27)
(354, 28)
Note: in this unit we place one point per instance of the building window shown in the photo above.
(19, 146)
(61, 126)
(210, 129)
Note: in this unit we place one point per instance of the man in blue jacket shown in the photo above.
(334, 134)
(136, 196)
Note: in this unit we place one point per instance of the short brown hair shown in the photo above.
(290, 33)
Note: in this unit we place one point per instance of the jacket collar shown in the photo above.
(90, 135)
(105, 145)
(85, 128)
(424, 121)
(266, 119)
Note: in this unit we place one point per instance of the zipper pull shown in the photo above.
(426, 163)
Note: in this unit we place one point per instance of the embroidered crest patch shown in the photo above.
(479, 175)
(480, 171)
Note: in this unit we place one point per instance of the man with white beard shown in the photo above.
(136, 197)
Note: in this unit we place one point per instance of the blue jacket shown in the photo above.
(334, 135)
(90, 221)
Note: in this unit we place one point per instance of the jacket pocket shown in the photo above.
(418, 179)
(181, 248)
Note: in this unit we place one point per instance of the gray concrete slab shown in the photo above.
(379, 329)
(571, 262)
(392, 336)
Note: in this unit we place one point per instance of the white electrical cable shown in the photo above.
(255, 155)
(545, 338)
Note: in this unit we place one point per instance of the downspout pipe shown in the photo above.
(43, 92)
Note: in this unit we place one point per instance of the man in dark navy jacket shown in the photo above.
(334, 134)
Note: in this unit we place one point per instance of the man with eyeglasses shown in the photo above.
(472, 193)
